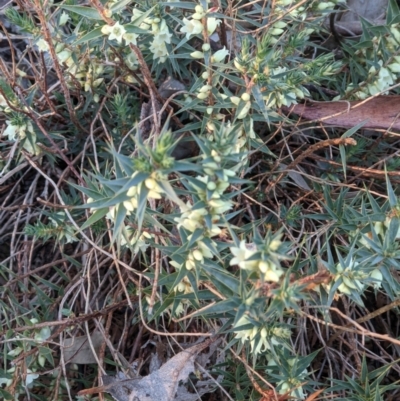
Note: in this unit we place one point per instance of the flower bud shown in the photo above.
(199, 9)
(243, 113)
(197, 255)
(202, 95)
(197, 54)
(245, 97)
(205, 88)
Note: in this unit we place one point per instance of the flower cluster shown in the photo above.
(285, 92)
(137, 241)
(261, 338)
(18, 129)
(354, 279)
(195, 27)
(115, 32)
(265, 264)
(162, 37)
(151, 184)
(383, 73)
(383, 79)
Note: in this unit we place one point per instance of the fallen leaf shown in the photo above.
(77, 350)
(160, 385)
(380, 112)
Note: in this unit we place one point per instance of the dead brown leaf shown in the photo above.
(381, 112)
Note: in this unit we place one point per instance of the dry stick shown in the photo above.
(117, 262)
(64, 86)
(310, 150)
(152, 88)
(362, 171)
(370, 316)
(253, 371)
(44, 267)
(157, 266)
(43, 83)
(11, 47)
(360, 330)
(72, 321)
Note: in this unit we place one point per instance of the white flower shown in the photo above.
(11, 131)
(64, 18)
(270, 271)
(163, 35)
(116, 32)
(132, 61)
(192, 27)
(220, 55)
(130, 38)
(219, 206)
(131, 204)
(191, 219)
(377, 276)
(184, 286)
(154, 188)
(15, 132)
(241, 256)
(42, 45)
(262, 342)
(243, 335)
(212, 24)
(350, 278)
(159, 50)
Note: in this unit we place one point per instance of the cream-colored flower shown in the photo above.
(263, 342)
(191, 27)
(377, 276)
(11, 131)
(159, 50)
(219, 206)
(131, 204)
(350, 278)
(191, 219)
(154, 188)
(219, 55)
(270, 271)
(163, 34)
(64, 18)
(212, 24)
(116, 31)
(42, 45)
(243, 335)
(241, 256)
(130, 38)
